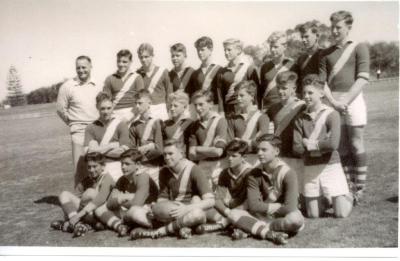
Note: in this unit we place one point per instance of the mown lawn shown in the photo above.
(36, 164)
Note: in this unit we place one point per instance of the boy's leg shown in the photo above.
(359, 157)
(69, 203)
(290, 223)
(342, 205)
(111, 219)
(139, 215)
(312, 190)
(314, 207)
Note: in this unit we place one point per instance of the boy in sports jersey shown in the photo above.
(268, 94)
(286, 112)
(146, 135)
(308, 62)
(316, 137)
(184, 196)
(180, 75)
(345, 67)
(123, 85)
(128, 203)
(177, 127)
(107, 135)
(78, 210)
(208, 136)
(156, 81)
(208, 76)
(242, 69)
(248, 123)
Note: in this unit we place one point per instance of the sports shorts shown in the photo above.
(124, 114)
(356, 112)
(159, 111)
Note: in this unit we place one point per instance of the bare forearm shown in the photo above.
(355, 90)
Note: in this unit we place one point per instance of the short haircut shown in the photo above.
(134, 154)
(203, 93)
(249, 86)
(95, 156)
(143, 93)
(146, 47)
(283, 78)
(271, 139)
(102, 96)
(171, 142)
(276, 36)
(342, 15)
(179, 96)
(309, 26)
(237, 146)
(314, 80)
(204, 41)
(124, 53)
(233, 41)
(83, 57)
(178, 47)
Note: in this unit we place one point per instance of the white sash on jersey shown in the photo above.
(147, 129)
(154, 80)
(280, 121)
(185, 78)
(342, 60)
(184, 180)
(110, 130)
(320, 123)
(178, 132)
(211, 131)
(127, 84)
(276, 190)
(272, 83)
(251, 125)
(240, 72)
(209, 77)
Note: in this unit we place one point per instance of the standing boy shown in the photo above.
(128, 203)
(156, 81)
(184, 196)
(345, 67)
(180, 75)
(316, 137)
(123, 85)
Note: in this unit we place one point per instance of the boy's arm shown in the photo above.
(168, 86)
(219, 144)
(262, 128)
(291, 194)
(298, 146)
(117, 149)
(331, 142)
(107, 87)
(254, 197)
(63, 103)
(112, 201)
(142, 190)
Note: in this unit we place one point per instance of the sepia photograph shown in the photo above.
(199, 128)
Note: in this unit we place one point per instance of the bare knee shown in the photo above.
(138, 215)
(195, 217)
(235, 215)
(100, 210)
(295, 220)
(64, 196)
(342, 206)
(89, 195)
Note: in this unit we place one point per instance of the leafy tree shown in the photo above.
(15, 95)
(385, 56)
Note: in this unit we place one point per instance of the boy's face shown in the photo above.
(204, 53)
(172, 156)
(234, 159)
(94, 168)
(176, 109)
(128, 166)
(123, 64)
(105, 110)
(244, 99)
(266, 152)
(202, 106)
(286, 91)
(309, 39)
(312, 95)
(142, 105)
(277, 48)
(231, 52)
(83, 68)
(177, 58)
(340, 31)
(146, 59)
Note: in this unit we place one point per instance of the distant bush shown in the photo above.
(44, 94)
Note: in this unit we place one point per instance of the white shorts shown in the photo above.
(328, 180)
(159, 111)
(114, 169)
(297, 165)
(212, 169)
(125, 114)
(356, 112)
(77, 132)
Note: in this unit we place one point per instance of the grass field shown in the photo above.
(36, 164)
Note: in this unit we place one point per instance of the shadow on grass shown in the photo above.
(393, 199)
(53, 200)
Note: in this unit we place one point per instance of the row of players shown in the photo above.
(306, 130)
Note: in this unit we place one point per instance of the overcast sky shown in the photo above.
(42, 38)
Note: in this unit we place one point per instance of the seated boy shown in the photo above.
(316, 138)
(242, 69)
(180, 75)
(156, 81)
(78, 211)
(107, 135)
(145, 134)
(177, 127)
(184, 196)
(129, 200)
(207, 138)
(248, 123)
